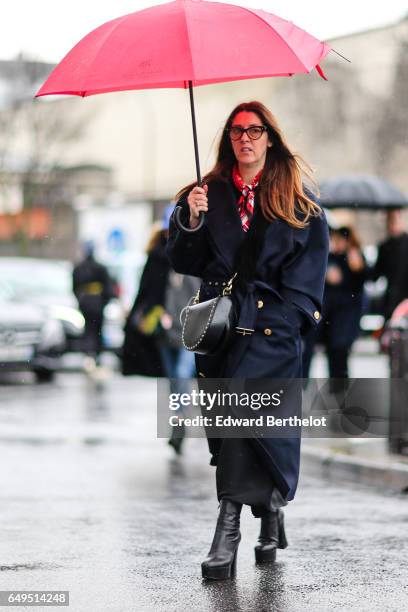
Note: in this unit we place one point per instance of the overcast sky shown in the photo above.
(47, 29)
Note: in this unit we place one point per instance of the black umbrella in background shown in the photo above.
(361, 193)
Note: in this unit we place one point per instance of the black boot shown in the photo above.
(272, 536)
(221, 560)
(176, 443)
(176, 439)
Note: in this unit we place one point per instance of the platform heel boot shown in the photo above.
(220, 563)
(271, 537)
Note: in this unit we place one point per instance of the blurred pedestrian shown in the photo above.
(141, 352)
(94, 288)
(153, 345)
(392, 263)
(343, 305)
(178, 363)
(265, 226)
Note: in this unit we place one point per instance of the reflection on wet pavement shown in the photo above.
(92, 502)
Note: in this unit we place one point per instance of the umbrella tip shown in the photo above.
(340, 55)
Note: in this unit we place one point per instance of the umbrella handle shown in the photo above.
(183, 228)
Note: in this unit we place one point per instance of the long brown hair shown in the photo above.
(280, 188)
(156, 236)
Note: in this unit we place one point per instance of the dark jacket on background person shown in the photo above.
(140, 355)
(92, 286)
(284, 296)
(343, 304)
(392, 263)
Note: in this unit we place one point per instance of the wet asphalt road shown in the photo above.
(93, 503)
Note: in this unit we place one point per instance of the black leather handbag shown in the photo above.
(208, 326)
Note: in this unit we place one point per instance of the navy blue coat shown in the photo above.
(284, 297)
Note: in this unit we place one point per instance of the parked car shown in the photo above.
(48, 284)
(29, 339)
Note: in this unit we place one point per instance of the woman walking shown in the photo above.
(263, 224)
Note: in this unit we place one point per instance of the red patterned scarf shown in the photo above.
(246, 201)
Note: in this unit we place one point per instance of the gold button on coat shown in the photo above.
(260, 304)
(316, 314)
(267, 331)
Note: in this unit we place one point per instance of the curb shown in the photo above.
(391, 473)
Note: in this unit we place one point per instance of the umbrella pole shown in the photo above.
(193, 120)
(177, 217)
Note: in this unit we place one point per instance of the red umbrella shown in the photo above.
(185, 43)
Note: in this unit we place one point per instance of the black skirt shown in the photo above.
(243, 478)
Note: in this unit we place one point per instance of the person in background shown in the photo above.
(141, 353)
(178, 363)
(343, 304)
(392, 263)
(94, 288)
(153, 345)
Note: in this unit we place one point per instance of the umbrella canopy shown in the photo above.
(184, 41)
(361, 192)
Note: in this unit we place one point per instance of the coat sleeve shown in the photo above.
(303, 273)
(358, 278)
(188, 253)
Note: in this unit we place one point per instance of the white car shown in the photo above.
(47, 284)
(29, 339)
